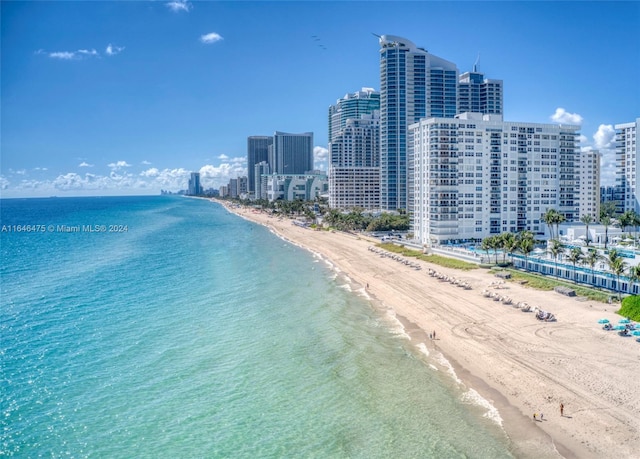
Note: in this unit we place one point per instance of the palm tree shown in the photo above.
(549, 218)
(590, 259)
(559, 218)
(617, 267)
(575, 256)
(509, 244)
(634, 274)
(607, 222)
(587, 219)
(625, 220)
(635, 222)
(525, 246)
(555, 249)
(486, 246)
(494, 244)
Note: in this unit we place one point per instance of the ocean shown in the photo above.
(166, 327)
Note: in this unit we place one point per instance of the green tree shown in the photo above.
(590, 259)
(509, 244)
(587, 220)
(575, 256)
(555, 249)
(525, 245)
(617, 266)
(606, 221)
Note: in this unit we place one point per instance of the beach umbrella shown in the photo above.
(624, 321)
(636, 333)
(603, 321)
(619, 327)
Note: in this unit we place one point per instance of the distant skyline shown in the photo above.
(105, 98)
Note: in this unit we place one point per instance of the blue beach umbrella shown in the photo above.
(624, 321)
(619, 327)
(636, 333)
(603, 321)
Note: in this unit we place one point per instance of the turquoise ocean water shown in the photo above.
(192, 333)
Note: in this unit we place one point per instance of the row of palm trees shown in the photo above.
(524, 243)
(553, 218)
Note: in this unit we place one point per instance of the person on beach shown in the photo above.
(434, 334)
(562, 409)
(541, 417)
(534, 416)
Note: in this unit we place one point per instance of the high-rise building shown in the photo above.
(259, 170)
(354, 172)
(352, 106)
(414, 84)
(478, 176)
(257, 151)
(590, 184)
(195, 188)
(628, 165)
(479, 95)
(291, 153)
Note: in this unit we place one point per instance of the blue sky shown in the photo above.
(102, 98)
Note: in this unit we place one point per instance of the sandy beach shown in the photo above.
(519, 364)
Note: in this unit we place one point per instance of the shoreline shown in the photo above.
(517, 364)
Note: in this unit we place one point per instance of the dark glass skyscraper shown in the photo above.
(257, 151)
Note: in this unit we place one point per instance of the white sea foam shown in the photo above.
(363, 293)
(396, 326)
(423, 348)
(346, 287)
(472, 396)
(432, 366)
(447, 365)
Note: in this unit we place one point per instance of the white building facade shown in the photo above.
(590, 184)
(292, 187)
(354, 172)
(627, 171)
(476, 176)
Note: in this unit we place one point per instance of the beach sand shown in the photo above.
(519, 364)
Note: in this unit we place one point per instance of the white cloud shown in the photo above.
(85, 164)
(562, 116)
(239, 160)
(113, 50)
(223, 157)
(40, 169)
(145, 162)
(153, 172)
(179, 5)
(583, 138)
(69, 55)
(62, 55)
(604, 137)
(119, 165)
(4, 183)
(210, 38)
(320, 157)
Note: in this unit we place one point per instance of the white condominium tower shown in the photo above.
(590, 184)
(354, 172)
(354, 148)
(291, 153)
(628, 165)
(478, 176)
(352, 106)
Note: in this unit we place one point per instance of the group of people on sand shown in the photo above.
(541, 417)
